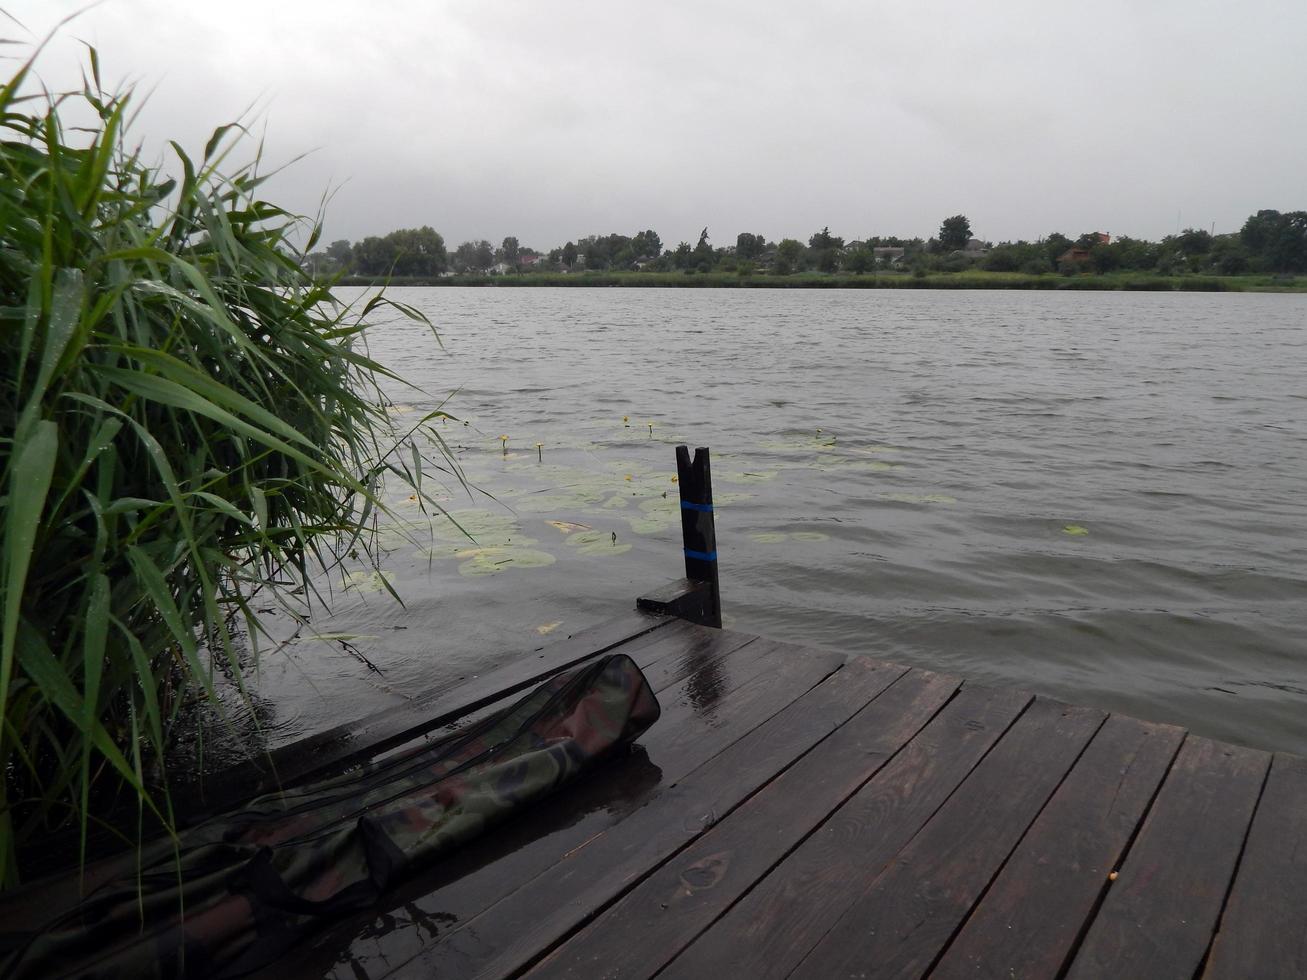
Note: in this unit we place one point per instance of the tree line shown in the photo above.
(1269, 242)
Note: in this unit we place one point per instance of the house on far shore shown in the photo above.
(500, 269)
(973, 249)
(892, 253)
(1075, 255)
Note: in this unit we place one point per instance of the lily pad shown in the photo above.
(1075, 530)
(492, 561)
(597, 543)
(368, 580)
(777, 537)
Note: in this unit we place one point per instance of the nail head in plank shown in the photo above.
(1159, 915)
(1030, 918)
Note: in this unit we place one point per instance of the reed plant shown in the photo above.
(187, 419)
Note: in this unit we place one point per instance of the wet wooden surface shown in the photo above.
(798, 813)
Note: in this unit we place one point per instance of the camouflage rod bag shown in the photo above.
(245, 886)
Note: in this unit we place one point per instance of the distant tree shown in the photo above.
(404, 252)
(569, 255)
(954, 233)
(647, 244)
(789, 256)
(1194, 241)
(1277, 242)
(418, 251)
(824, 240)
(860, 260)
(509, 251)
(474, 256)
(339, 251)
(704, 257)
(373, 256)
(749, 246)
(1228, 256)
(1055, 245)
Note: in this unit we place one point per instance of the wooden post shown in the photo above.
(696, 597)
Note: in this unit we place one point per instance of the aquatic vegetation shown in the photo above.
(369, 580)
(597, 543)
(1075, 530)
(477, 562)
(189, 419)
(778, 537)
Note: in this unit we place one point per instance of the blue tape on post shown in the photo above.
(689, 505)
(701, 555)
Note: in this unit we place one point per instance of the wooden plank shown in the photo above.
(701, 718)
(336, 749)
(1160, 913)
(1263, 932)
(650, 641)
(770, 930)
(1032, 915)
(509, 936)
(647, 928)
(898, 926)
(694, 648)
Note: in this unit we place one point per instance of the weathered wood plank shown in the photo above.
(768, 932)
(696, 648)
(648, 927)
(651, 641)
(339, 747)
(1033, 913)
(1263, 932)
(509, 936)
(1159, 915)
(702, 715)
(898, 926)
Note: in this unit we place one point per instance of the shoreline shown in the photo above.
(965, 280)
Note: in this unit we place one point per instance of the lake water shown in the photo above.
(1097, 496)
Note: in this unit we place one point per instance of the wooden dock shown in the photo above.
(799, 813)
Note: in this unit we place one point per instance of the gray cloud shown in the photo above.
(553, 121)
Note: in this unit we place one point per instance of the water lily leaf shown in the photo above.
(809, 536)
(368, 580)
(1075, 530)
(492, 561)
(597, 543)
(544, 629)
(648, 525)
(768, 537)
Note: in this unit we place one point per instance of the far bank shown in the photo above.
(946, 280)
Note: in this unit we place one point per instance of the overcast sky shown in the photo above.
(551, 121)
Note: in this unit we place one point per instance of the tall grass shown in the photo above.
(186, 419)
